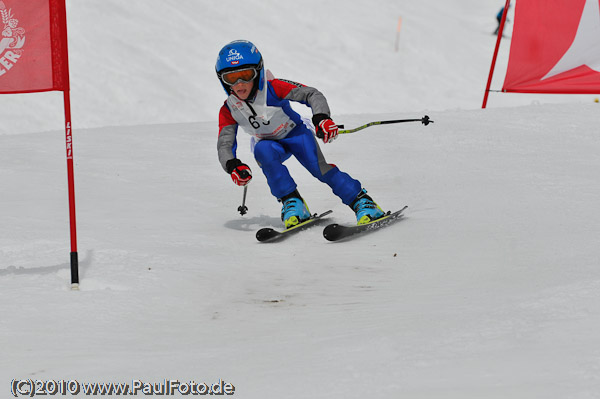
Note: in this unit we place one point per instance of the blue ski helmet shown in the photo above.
(240, 54)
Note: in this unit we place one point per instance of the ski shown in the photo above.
(268, 234)
(336, 232)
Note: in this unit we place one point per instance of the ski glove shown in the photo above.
(326, 129)
(240, 172)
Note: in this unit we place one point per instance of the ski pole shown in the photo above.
(243, 209)
(425, 120)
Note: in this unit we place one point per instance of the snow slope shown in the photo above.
(485, 290)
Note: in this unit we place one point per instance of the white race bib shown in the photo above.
(258, 119)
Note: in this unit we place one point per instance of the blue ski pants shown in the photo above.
(302, 144)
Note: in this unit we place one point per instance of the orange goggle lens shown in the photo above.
(245, 75)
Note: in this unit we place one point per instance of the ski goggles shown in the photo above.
(245, 75)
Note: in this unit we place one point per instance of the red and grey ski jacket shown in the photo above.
(268, 116)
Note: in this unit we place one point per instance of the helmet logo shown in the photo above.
(234, 57)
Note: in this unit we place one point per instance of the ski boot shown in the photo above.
(365, 208)
(294, 210)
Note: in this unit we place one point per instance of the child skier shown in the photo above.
(261, 107)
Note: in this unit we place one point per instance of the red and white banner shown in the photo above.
(555, 47)
(33, 46)
(34, 57)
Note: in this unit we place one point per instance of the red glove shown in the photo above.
(240, 172)
(241, 175)
(327, 130)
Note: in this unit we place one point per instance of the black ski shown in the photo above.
(268, 234)
(336, 232)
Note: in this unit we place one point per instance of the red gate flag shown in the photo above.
(555, 47)
(34, 57)
(33, 46)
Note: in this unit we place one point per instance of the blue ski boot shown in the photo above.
(294, 210)
(365, 208)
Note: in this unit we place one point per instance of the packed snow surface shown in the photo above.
(488, 288)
